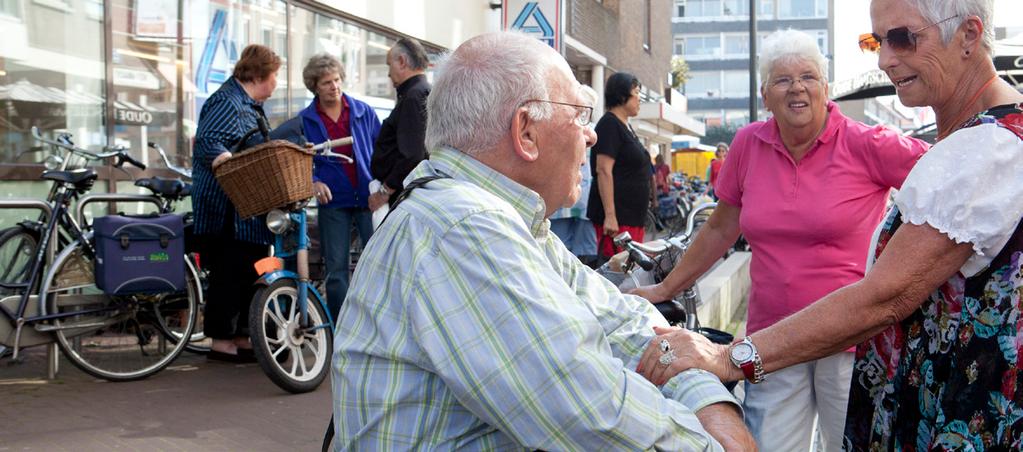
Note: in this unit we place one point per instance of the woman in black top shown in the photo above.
(621, 166)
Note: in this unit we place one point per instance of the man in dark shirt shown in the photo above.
(400, 147)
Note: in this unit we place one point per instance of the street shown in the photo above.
(191, 405)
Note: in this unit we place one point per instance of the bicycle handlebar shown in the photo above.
(64, 142)
(166, 161)
(325, 148)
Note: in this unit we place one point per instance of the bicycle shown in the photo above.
(292, 337)
(114, 337)
(649, 263)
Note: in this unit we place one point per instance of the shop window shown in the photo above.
(10, 8)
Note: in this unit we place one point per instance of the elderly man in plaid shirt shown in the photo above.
(469, 325)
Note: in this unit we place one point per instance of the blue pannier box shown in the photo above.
(140, 254)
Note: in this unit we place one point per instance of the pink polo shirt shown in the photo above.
(810, 223)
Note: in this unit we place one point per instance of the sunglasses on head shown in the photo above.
(900, 40)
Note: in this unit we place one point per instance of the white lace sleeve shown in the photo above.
(970, 187)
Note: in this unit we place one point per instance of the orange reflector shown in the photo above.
(269, 264)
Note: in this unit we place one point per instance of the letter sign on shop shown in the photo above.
(133, 117)
(540, 18)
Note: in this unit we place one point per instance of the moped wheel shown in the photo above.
(116, 338)
(294, 356)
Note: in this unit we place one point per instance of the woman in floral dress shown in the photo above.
(937, 317)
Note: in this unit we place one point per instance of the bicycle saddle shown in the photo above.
(166, 188)
(672, 311)
(76, 177)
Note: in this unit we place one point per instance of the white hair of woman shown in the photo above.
(935, 11)
(785, 44)
(478, 88)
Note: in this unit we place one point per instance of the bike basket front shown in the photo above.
(140, 254)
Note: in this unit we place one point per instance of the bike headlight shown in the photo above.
(278, 221)
(53, 162)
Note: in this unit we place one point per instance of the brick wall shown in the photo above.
(614, 29)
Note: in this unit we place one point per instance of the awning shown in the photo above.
(29, 100)
(1008, 62)
(660, 122)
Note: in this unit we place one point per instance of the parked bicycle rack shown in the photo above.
(52, 354)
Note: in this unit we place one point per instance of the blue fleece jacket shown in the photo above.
(364, 126)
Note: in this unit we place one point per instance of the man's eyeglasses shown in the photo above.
(583, 113)
(786, 83)
(901, 40)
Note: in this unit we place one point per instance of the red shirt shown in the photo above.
(340, 129)
(715, 169)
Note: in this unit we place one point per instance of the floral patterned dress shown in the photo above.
(949, 376)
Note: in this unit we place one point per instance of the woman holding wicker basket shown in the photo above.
(228, 243)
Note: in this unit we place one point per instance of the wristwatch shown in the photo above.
(744, 355)
(383, 189)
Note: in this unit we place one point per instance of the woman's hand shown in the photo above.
(220, 159)
(611, 226)
(690, 350)
(655, 293)
(322, 192)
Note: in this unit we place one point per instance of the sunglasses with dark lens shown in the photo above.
(901, 40)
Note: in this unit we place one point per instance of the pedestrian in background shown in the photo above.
(571, 225)
(715, 167)
(341, 187)
(621, 167)
(229, 244)
(400, 146)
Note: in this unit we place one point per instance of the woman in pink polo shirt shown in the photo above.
(807, 188)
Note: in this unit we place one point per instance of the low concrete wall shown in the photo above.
(725, 291)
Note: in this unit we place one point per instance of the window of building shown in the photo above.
(735, 8)
(703, 8)
(737, 45)
(10, 8)
(680, 8)
(736, 84)
(802, 8)
(703, 85)
(680, 46)
(705, 46)
(765, 9)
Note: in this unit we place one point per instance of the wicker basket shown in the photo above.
(267, 176)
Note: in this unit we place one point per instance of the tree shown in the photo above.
(720, 134)
(679, 71)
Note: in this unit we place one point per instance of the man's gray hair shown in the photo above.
(319, 65)
(477, 89)
(790, 43)
(935, 11)
(415, 54)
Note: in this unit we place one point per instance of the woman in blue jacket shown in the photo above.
(341, 188)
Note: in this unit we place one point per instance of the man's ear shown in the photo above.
(524, 135)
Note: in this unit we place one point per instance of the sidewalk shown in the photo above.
(191, 405)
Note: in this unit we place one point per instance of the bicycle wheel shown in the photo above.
(296, 359)
(122, 339)
(650, 226)
(171, 326)
(17, 248)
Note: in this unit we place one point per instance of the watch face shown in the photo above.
(742, 352)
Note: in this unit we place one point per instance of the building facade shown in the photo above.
(713, 36)
(603, 37)
(129, 72)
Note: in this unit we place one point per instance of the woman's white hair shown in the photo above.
(938, 10)
(478, 88)
(784, 44)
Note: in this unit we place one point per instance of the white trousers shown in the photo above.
(780, 410)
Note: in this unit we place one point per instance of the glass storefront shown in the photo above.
(165, 58)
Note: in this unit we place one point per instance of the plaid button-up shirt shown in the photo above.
(469, 326)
